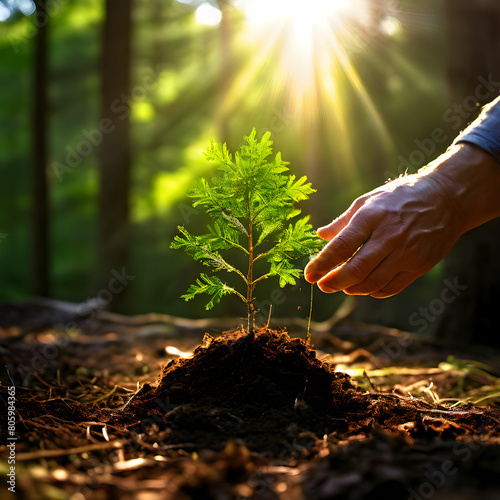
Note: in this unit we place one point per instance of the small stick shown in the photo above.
(269, 318)
(105, 397)
(310, 316)
(367, 378)
(8, 373)
(36, 455)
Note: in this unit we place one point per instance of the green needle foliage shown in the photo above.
(250, 204)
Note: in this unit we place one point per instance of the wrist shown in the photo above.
(470, 179)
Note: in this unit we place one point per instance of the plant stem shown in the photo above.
(250, 283)
(310, 317)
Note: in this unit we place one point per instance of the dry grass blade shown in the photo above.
(39, 454)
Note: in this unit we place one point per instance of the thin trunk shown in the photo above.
(115, 157)
(41, 274)
(250, 308)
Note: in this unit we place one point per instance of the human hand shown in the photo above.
(399, 231)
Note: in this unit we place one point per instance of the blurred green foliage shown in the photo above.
(183, 93)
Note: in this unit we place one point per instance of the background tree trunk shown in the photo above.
(474, 54)
(115, 157)
(225, 67)
(41, 272)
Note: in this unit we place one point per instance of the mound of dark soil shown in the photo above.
(268, 371)
(262, 390)
(269, 391)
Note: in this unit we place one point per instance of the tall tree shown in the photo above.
(474, 263)
(114, 155)
(41, 274)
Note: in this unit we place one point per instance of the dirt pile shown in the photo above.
(272, 390)
(269, 393)
(263, 391)
(269, 371)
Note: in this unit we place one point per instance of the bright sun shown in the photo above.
(300, 22)
(310, 35)
(309, 13)
(304, 47)
(302, 19)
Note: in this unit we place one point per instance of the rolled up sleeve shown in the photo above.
(485, 130)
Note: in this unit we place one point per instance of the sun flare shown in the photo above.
(311, 38)
(309, 12)
(308, 34)
(302, 65)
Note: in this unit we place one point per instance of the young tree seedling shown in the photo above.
(250, 204)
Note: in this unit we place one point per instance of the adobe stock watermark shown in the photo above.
(187, 211)
(94, 467)
(278, 296)
(118, 282)
(260, 482)
(422, 318)
(279, 121)
(436, 307)
(37, 20)
(456, 116)
(43, 354)
(394, 349)
(436, 477)
(41, 357)
(162, 408)
(91, 139)
(11, 435)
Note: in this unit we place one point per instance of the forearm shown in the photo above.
(470, 177)
(471, 168)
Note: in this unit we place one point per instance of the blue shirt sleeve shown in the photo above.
(485, 130)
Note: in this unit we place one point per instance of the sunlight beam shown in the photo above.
(311, 36)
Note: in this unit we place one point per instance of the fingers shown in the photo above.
(337, 251)
(379, 278)
(366, 272)
(331, 230)
(344, 242)
(399, 283)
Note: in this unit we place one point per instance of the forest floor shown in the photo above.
(156, 408)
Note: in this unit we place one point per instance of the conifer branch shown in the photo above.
(233, 244)
(260, 278)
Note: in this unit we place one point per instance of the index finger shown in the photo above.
(340, 249)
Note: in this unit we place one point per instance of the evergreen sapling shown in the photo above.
(250, 204)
